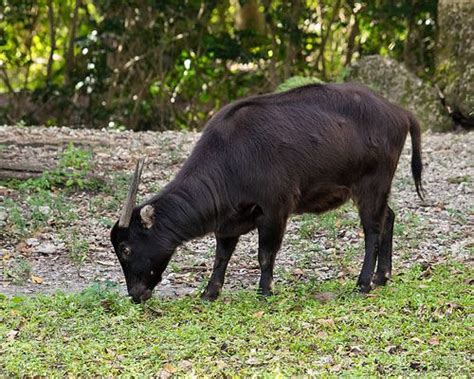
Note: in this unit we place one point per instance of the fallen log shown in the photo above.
(55, 142)
(21, 170)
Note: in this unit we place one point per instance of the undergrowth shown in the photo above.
(420, 324)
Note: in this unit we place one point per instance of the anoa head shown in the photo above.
(142, 255)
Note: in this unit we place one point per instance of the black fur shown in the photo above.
(261, 159)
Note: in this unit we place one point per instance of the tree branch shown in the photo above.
(52, 33)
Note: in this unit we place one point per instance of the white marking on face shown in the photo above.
(152, 272)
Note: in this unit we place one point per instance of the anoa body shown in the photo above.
(261, 159)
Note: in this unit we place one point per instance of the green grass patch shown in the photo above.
(73, 172)
(35, 209)
(19, 270)
(331, 223)
(419, 324)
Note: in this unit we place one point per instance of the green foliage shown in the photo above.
(19, 270)
(169, 64)
(296, 81)
(73, 169)
(72, 172)
(419, 324)
(15, 216)
(39, 207)
(78, 249)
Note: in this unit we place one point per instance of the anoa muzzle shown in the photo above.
(260, 160)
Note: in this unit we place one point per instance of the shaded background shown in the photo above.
(156, 65)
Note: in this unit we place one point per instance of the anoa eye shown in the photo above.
(126, 250)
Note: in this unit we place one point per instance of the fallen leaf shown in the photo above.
(391, 349)
(325, 297)
(22, 247)
(416, 365)
(185, 365)
(298, 272)
(106, 304)
(258, 314)
(370, 295)
(106, 263)
(169, 367)
(416, 340)
(336, 368)
(37, 279)
(252, 361)
(164, 374)
(427, 272)
(327, 322)
(221, 365)
(157, 312)
(167, 370)
(434, 341)
(110, 351)
(322, 334)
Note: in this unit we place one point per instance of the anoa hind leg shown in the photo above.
(372, 203)
(270, 235)
(384, 259)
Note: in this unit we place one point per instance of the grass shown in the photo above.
(73, 172)
(50, 201)
(420, 324)
(34, 209)
(78, 248)
(19, 270)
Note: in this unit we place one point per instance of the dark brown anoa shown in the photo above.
(263, 158)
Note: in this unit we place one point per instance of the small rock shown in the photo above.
(325, 359)
(46, 248)
(32, 242)
(44, 209)
(3, 214)
(11, 335)
(355, 350)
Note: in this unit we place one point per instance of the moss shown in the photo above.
(392, 80)
(297, 81)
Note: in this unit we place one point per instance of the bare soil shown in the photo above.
(438, 230)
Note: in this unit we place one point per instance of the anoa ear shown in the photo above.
(147, 214)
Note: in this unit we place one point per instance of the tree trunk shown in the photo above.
(409, 51)
(70, 51)
(325, 37)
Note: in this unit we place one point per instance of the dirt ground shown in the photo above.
(323, 247)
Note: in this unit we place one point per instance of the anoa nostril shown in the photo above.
(139, 295)
(146, 295)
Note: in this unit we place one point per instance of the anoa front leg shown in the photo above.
(224, 249)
